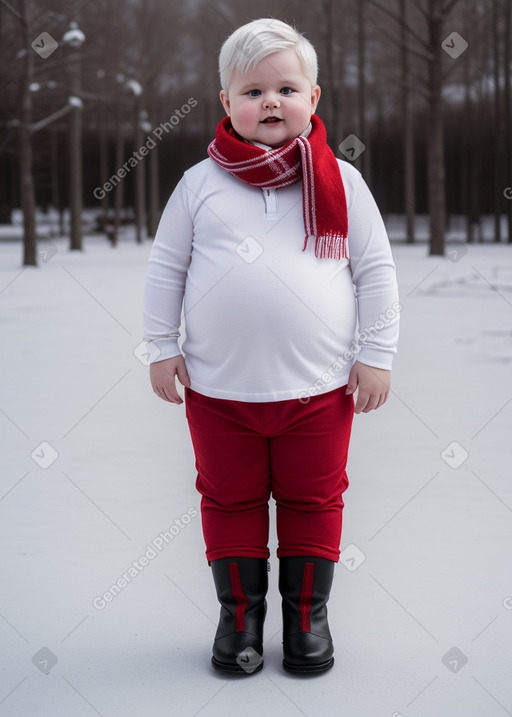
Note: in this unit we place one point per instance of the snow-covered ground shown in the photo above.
(421, 609)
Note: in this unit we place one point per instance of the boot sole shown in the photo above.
(308, 669)
(234, 669)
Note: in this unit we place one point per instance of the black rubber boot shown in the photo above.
(305, 585)
(241, 585)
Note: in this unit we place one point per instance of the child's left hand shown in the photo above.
(373, 384)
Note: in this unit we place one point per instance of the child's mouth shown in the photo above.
(272, 120)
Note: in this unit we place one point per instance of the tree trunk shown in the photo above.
(331, 106)
(140, 183)
(5, 208)
(507, 99)
(498, 144)
(103, 165)
(153, 185)
(363, 162)
(467, 157)
(75, 155)
(408, 131)
(54, 170)
(118, 197)
(28, 201)
(153, 195)
(436, 168)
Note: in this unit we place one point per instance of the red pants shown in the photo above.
(245, 452)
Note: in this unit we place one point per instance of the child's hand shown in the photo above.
(163, 374)
(373, 386)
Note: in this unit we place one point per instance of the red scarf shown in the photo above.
(307, 158)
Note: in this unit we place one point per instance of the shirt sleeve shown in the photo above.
(374, 278)
(166, 276)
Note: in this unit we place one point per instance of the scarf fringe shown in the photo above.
(329, 246)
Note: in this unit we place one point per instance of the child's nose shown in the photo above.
(271, 101)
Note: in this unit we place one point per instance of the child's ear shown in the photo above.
(224, 98)
(315, 97)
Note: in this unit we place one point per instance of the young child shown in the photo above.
(276, 251)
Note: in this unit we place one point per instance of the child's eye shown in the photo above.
(254, 93)
(286, 90)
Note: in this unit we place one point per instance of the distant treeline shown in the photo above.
(424, 84)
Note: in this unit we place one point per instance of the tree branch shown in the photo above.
(51, 118)
(13, 10)
(427, 56)
(420, 8)
(446, 10)
(410, 91)
(399, 20)
(420, 85)
(450, 71)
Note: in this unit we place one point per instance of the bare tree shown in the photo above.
(498, 120)
(408, 128)
(507, 101)
(28, 201)
(329, 14)
(75, 141)
(434, 13)
(369, 84)
(469, 160)
(364, 158)
(436, 159)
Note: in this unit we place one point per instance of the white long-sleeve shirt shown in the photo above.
(264, 320)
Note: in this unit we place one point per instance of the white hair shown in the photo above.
(254, 41)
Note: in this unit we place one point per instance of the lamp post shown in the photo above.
(75, 38)
(140, 189)
(145, 127)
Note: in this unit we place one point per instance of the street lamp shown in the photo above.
(75, 38)
(140, 185)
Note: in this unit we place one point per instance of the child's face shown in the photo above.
(276, 88)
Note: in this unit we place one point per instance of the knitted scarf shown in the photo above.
(310, 159)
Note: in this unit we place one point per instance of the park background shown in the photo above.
(94, 468)
(423, 86)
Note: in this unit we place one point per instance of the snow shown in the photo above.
(425, 572)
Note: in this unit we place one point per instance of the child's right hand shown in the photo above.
(163, 374)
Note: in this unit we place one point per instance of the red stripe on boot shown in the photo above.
(241, 598)
(306, 597)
